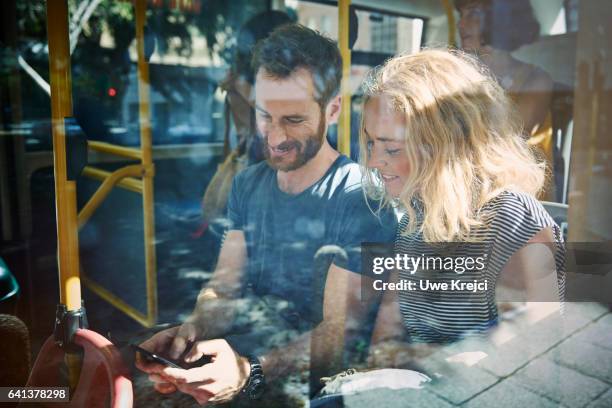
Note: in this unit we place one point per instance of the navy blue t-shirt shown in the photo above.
(291, 239)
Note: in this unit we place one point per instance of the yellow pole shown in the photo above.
(450, 17)
(65, 190)
(110, 180)
(344, 123)
(114, 149)
(128, 182)
(147, 162)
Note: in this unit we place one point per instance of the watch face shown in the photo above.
(256, 390)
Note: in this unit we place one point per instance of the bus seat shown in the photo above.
(558, 213)
(562, 108)
(103, 379)
(566, 153)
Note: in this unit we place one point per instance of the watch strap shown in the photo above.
(256, 384)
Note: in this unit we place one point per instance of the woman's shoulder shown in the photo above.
(510, 215)
(516, 211)
(512, 198)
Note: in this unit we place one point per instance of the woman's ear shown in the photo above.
(332, 111)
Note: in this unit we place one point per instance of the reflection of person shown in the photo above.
(286, 213)
(441, 134)
(238, 85)
(240, 78)
(492, 29)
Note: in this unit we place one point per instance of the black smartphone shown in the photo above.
(154, 358)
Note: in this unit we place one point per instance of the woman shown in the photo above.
(441, 136)
(492, 30)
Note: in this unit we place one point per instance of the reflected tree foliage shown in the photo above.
(102, 34)
(171, 23)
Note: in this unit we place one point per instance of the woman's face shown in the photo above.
(385, 130)
(471, 20)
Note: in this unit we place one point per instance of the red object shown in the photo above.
(104, 378)
(200, 231)
(112, 92)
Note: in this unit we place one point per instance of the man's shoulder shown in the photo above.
(346, 176)
(354, 200)
(346, 165)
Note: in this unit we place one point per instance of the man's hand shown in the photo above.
(186, 335)
(171, 342)
(217, 382)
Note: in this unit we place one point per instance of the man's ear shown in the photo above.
(332, 111)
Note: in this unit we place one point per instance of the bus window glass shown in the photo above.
(145, 258)
(380, 33)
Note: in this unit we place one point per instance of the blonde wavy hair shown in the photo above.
(463, 137)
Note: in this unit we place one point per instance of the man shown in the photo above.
(287, 215)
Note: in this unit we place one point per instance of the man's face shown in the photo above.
(291, 122)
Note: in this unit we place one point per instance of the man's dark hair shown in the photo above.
(294, 46)
(508, 24)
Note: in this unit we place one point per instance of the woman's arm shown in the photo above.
(388, 347)
(533, 269)
(388, 320)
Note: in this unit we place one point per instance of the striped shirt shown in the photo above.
(510, 220)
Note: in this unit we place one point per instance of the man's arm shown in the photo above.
(214, 311)
(226, 281)
(222, 380)
(232, 258)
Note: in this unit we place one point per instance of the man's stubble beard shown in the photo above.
(305, 151)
